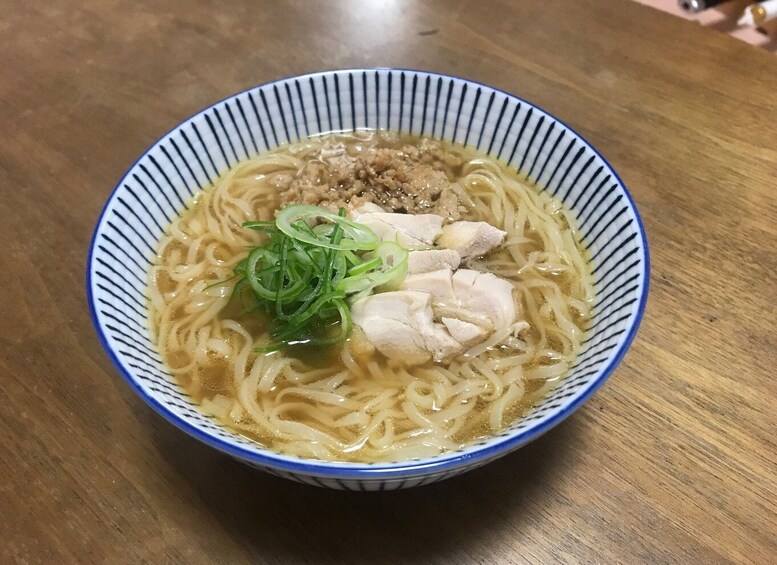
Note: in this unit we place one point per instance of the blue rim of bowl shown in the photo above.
(343, 470)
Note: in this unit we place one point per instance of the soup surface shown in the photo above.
(349, 401)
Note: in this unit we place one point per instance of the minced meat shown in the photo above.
(412, 179)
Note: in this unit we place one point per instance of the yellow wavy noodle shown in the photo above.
(357, 409)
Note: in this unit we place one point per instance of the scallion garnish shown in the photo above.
(313, 264)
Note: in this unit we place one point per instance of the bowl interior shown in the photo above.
(191, 156)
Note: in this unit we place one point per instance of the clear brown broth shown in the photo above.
(216, 378)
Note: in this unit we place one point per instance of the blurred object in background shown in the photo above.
(698, 5)
(756, 15)
(724, 17)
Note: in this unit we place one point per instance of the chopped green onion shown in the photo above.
(313, 265)
(261, 226)
(393, 263)
(365, 266)
(358, 236)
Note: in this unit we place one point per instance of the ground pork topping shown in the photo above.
(412, 179)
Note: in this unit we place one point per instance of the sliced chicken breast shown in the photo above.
(471, 296)
(485, 293)
(465, 333)
(411, 231)
(400, 325)
(426, 261)
(471, 239)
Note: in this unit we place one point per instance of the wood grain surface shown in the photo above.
(673, 461)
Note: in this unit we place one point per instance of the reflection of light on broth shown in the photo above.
(338, 403)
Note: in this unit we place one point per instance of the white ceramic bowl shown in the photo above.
(197, 151)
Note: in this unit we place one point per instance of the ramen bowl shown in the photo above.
(507, 128)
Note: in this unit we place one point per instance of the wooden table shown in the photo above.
(673, 461)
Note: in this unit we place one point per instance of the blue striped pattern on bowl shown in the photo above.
(191, 156)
